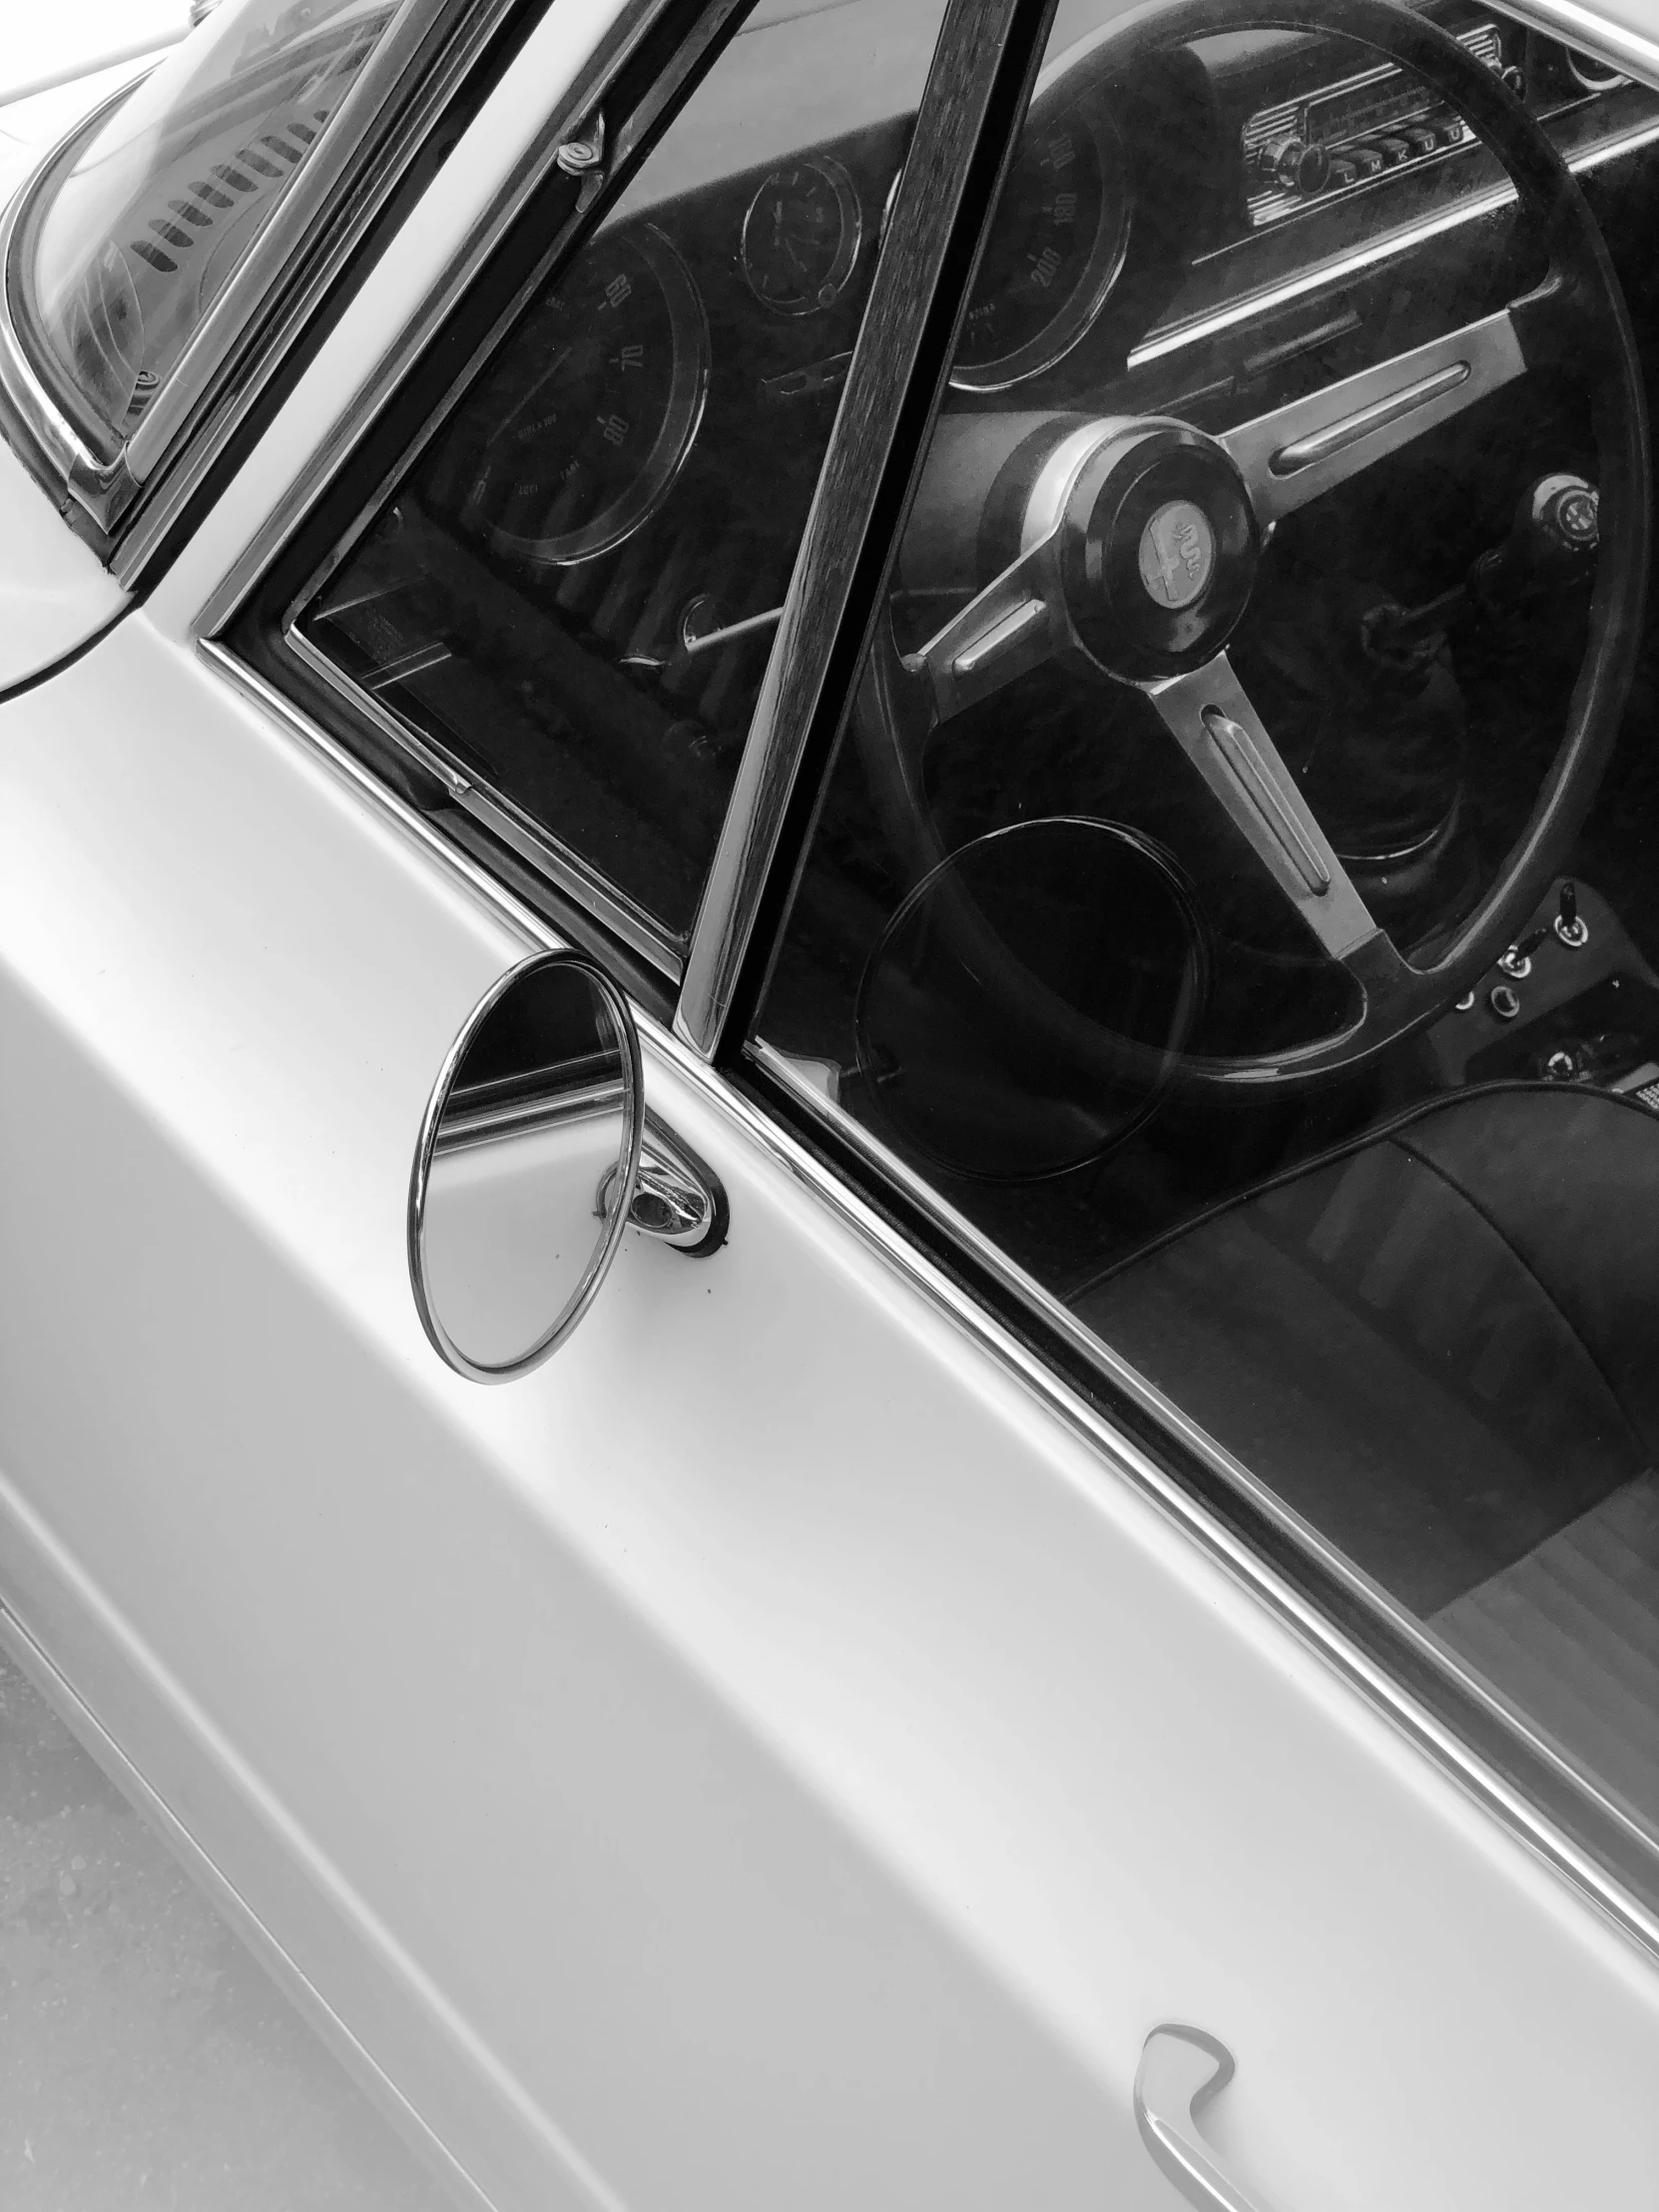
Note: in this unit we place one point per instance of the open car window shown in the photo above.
(569, 596)
(138, 225)
(1230, 909)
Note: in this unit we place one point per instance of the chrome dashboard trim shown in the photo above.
(1407, 240)
(1478, 1776)
(351, 423)
(1631, 52)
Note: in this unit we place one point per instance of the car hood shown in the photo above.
(54, 593)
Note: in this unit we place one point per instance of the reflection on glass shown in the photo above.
(1024, 1005)
(138, 232)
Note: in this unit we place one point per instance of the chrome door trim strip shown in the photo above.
(633, 20)
(1479, 1776)
(967, 66)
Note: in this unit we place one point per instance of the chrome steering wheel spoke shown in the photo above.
(1013, 625)
(1210, 716)
(1295, 454)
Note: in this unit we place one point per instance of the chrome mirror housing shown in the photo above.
(526, 1167)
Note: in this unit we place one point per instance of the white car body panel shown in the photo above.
(54, 593)
(872, 1781)
(768, 1757)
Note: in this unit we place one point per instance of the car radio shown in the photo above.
(1346, 133)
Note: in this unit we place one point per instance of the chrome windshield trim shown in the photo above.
(1481, 1777)
(629, 26)
(59, 444)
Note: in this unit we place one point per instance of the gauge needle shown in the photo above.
(542, 381)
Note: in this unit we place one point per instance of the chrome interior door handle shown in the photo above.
(1180, 2070)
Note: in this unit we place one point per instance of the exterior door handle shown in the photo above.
(1180, 2070)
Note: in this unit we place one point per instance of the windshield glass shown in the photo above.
(141, 224)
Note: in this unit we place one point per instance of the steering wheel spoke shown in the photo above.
(1210, 717)
(1296, 452)
(1017, 623)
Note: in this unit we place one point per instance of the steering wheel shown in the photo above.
(1139, 542)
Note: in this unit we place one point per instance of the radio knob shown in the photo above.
(1293, 165)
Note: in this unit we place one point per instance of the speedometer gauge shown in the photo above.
(1056, 246)
(595, 403)
(800, 236)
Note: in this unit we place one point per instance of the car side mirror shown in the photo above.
(526, 1168)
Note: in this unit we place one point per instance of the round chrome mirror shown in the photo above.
(525, 1170)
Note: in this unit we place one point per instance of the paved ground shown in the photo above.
(147, 2063)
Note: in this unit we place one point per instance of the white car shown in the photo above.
(829, 1052)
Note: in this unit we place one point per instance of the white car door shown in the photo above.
(793, 1746)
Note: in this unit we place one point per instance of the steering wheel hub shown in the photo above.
(1159, 547)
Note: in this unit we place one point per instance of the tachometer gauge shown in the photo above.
(594, 405)
(800, 236)
(1056, 246)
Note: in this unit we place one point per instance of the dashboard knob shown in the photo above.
(1293, 165)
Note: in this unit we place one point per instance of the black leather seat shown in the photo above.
(1440, 1344)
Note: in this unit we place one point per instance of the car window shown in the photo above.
(571, 593)
(1230, 907)
(138, 225)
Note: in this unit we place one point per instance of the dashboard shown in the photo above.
(719, 326)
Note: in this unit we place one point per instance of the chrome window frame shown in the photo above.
(318, 223)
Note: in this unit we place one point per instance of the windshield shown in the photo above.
(139, 225)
